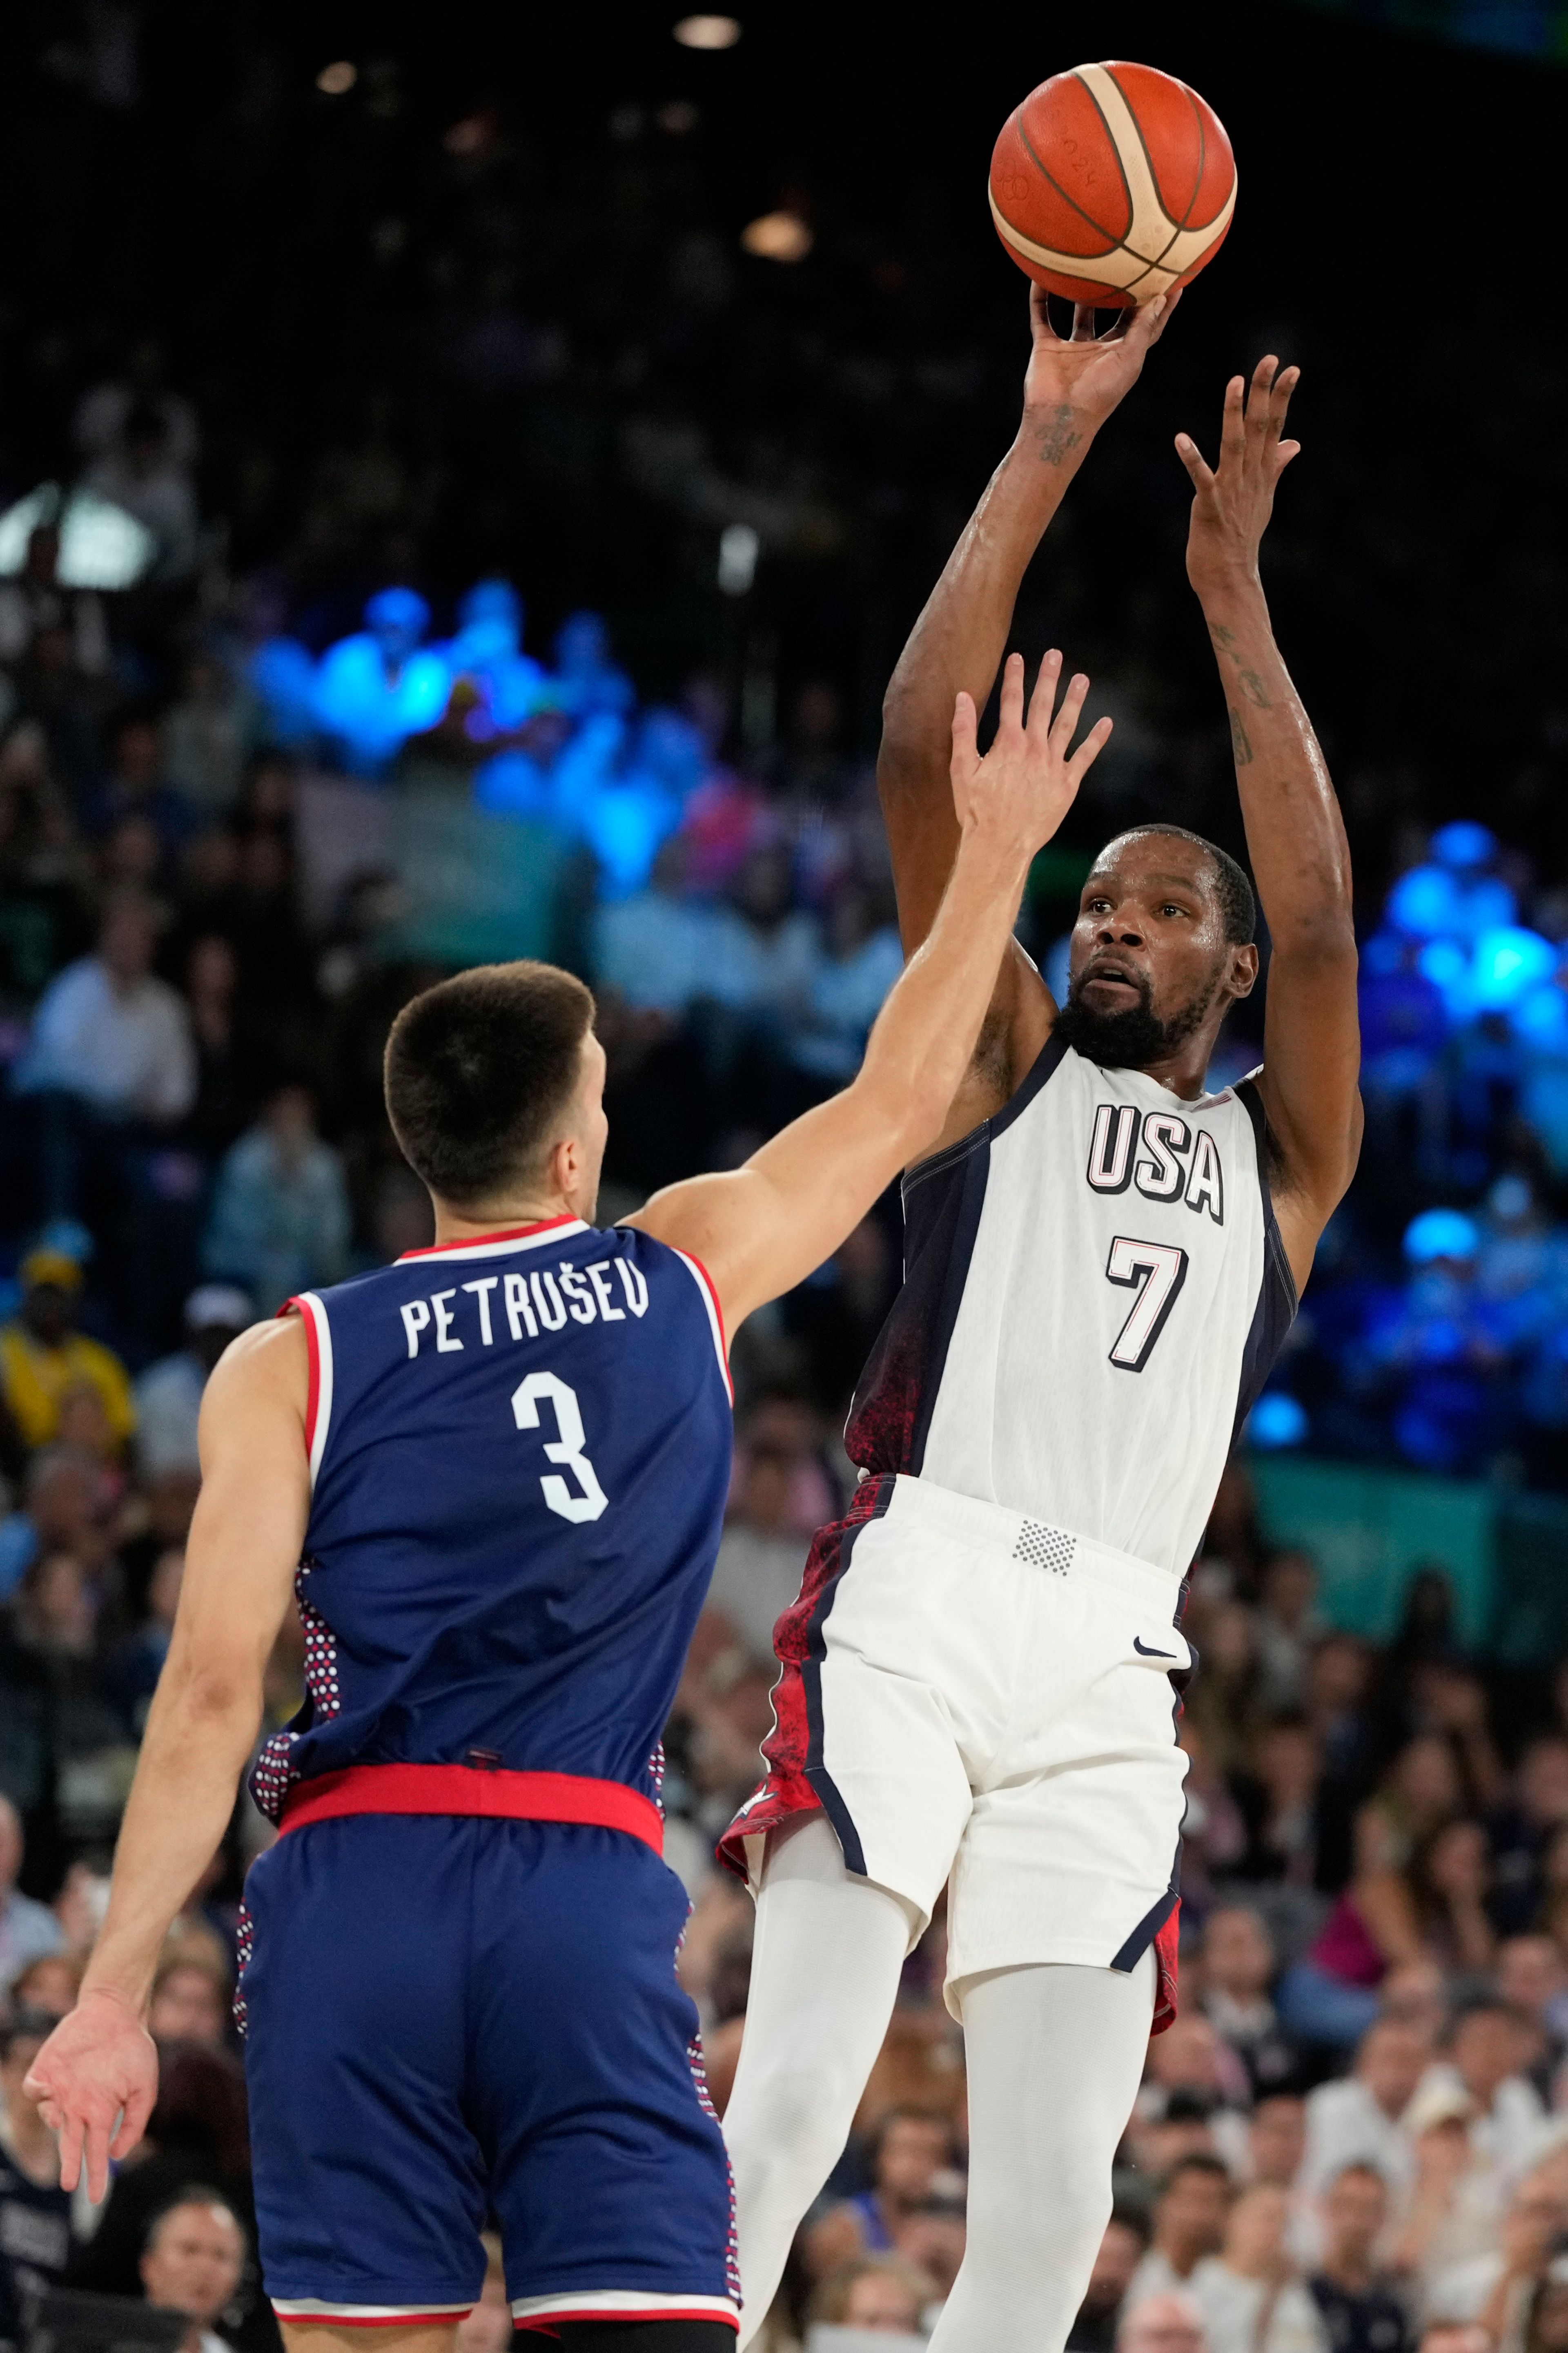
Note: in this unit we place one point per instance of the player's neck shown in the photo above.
(502, 1218)
(1183, 1072)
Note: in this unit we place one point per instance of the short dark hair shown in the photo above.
(1196, 2160)
(1238, 903)
(479, 1068)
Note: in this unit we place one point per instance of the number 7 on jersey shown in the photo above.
(1156, 1271)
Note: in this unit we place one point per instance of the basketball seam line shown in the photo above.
(1178, 227)
(1150, 262)
(1050, 176)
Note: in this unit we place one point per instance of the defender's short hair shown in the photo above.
(1238, 903)
(479, 1069)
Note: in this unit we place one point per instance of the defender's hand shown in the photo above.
(1231, 511)
(1020, 792)
(1074, 383)
(95, 2081)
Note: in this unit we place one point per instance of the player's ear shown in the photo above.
(1243, 969)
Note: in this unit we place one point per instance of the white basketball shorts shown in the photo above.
(969, 1694)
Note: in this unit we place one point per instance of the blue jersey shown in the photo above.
(519, 1456)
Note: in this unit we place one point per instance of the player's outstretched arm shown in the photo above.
(97, 2075)
(1295, 836)
(956, 646)
(760, 1230)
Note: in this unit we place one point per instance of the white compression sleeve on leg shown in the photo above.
(825, 1974)
(1055, 2054)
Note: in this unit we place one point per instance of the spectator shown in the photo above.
(1121, 2250)
(35, 2211)
(880, 2293)
(1360, 2118)
(1522, 1832)
(1166, 2322)
(137, 787)
(227, 1058)
(69, 1503)
(1277, 2139)
(27, 1929)
(193, 2263)
(1497, 2287)
(863, 960)
(1279, 1798)
(652, 949)
(1238, 1966)
(169, 1392)
(190, 2004)
(206, 734)
(1288, 1625)
(909, 2151)
(1361, 2308)
(1450, 1882)
(1532, 1978)
(130, 1674)
(43, 1358)
(48, 1987)
(1546, 2327)
(1190, 2215)
(1491, 2049)
(1248, 2293)
(279, 1218)
(110, 1048)
(139, 472)
(762, 1554)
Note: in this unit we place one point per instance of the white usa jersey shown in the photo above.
(1094, 1290)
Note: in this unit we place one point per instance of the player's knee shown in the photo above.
(1046, 2227)
(803, 2113)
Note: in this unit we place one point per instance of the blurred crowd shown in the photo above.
(1355, 2139)
(258, 595)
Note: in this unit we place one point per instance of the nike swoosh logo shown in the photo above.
(1145, 1653)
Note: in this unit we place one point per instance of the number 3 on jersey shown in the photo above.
(1156, 1271)
(566, 1447)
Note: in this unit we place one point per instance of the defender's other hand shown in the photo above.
(1020, 792)
(1074, 382)
(95, 2081)
(1233, 502)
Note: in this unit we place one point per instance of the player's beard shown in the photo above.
(1136, 1036)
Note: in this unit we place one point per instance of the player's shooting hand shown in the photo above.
(1019, 792)
(1074, 381)
(1233, 502)
(95, 2081)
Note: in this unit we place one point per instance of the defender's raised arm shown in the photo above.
(1295, 837)
(761, 1229)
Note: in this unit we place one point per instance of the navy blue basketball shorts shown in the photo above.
(450, 2017)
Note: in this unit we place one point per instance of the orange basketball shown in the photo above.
(1112, 183)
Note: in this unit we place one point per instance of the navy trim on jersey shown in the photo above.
(967, 1166)
(1153, 1920)
(816, 1771)
(971, 1202)
(1276, 1301)
(1044, 1068)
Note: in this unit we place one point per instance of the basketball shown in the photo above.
(1112, 183)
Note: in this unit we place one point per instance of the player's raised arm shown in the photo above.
(761, 1229)
(1295, 837)
(956, 646)
(97, 2075)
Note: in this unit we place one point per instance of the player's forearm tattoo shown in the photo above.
(1240, 742)
(1252, 686)
(1055, 437)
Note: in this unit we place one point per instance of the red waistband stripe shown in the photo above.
(468, 1789)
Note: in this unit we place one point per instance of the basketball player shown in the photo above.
(1102, 1258)
(494, 1475)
